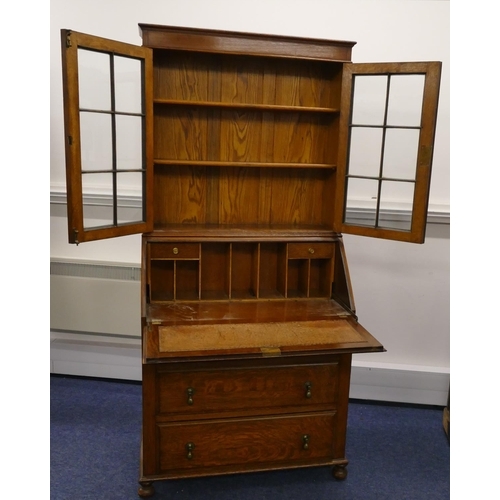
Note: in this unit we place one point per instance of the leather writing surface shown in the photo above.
(253, 337)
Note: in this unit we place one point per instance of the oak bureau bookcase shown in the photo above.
(253, 154)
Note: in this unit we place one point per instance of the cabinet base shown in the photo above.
(146, 488)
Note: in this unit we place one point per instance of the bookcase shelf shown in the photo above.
(241, 164)
(243, 232)
(247, 106)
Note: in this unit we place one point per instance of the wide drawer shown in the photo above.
(247, 442)
(310, 250)
(208, 391)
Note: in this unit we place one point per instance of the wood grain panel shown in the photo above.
(247, 389)
(297, 196)
(293, 139)
(246, 441)
(181, 76)
(180, 195)
(247, 312)
(305, 84)
(315, 86)
(304, 138)
(244, 268)
(266, 177)
(181, 133)
(215, 271)
(240, 135)
(162, 280)
(230, 42)
(242, 80)
(287, 84)
(269, 269)
(239, 196)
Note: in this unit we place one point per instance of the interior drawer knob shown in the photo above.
(190, 393)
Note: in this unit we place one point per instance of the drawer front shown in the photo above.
(249, 388)
(247, 442)
(310, 250)
(174, 250)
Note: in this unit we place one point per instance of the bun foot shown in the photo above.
(146, 489)
(339, 472)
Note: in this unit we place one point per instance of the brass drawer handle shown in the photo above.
(175, 250)
(189, 449)
(305, 441)
(311, 250)
(308, 390)
(190, 393)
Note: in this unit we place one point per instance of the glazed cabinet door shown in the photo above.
(108, 117)
(387, 128)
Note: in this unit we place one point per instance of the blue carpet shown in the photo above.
(394, 451)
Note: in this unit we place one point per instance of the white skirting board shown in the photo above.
(400, 383)
(120, 358)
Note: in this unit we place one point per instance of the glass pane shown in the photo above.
(94, 80)
(369, 100)
(129, 185)
(97, 192)
(128, 88)
(396, 202)
(128, 142)
(365, 151)
(96, 141)
(400, 153)
(361, 201)
(405, 100)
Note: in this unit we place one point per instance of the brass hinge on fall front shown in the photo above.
(268, 352)
(151, 323)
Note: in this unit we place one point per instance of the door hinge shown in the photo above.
(70, 140)
(68, 39)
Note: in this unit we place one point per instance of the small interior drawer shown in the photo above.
(174, 250)
(310, 250)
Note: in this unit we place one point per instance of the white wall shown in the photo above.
(402, 296)
(401, 290)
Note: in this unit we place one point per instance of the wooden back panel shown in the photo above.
(244, 140)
